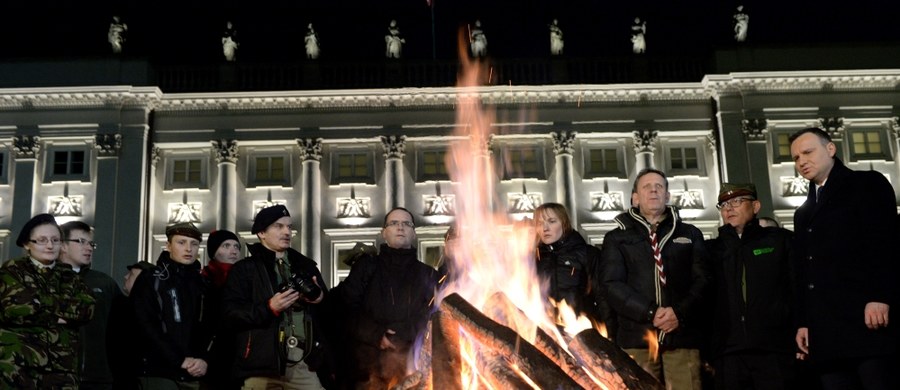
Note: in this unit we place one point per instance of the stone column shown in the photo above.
(755, 133)
(483, 160)
(394, 148)
(226, 158)
(563, 146)
(155, 156)
(131, 189)
(26, 149)
(894, 126)
(311, 198)
(108, 147)
(644, 147)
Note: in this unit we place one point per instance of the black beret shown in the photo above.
(216, 238)
(32, 223)
(268, 216)
(186, 229)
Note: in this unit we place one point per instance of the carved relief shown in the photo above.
(155, 155)
(754, 129)
(394, 146)
(185, 212)
(523, 202)
(834, 126)
(226, 150)
(66, 206)
(310, 149)
(108, 145)
(645, 140)
(439, 204)
(27, 146)
(607, 201)
(563, 142)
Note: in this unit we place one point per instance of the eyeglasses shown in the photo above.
(46, 241)
(84, 242)
(733, 203)
(394, 224)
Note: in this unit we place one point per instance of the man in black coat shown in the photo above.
(654, 269)
(278, 333)
(847, 262)
(388, 299)
(753, 334)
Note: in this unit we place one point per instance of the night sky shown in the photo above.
(272, 30)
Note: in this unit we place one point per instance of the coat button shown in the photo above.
(811, 286)
(809, 230)
(809, 258)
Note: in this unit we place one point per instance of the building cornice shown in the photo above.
(805, 81)
(80, 97)
(710, 86)
(433, 97)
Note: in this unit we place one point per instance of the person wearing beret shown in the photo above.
(272, 301)
(753, 321)
(224, 249)
(42, 304)
(169, 303)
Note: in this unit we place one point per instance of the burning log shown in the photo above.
(445, 357)
(610, 363)
(531, 362)
(413, 381)
(542, 341)
(496, 369)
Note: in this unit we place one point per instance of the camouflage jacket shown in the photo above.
(34, 303)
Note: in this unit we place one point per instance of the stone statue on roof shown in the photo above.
(556, 39)
(116, 34)
(638, 38)
(312, 43)
(229, 42)
(741, 23)
(478, 41)
(393, 41)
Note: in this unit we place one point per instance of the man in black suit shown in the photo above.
(845, 233)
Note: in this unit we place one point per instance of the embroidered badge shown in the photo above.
(682, 240)
(760, 251)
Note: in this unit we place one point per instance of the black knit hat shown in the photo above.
(268, 216)
(32, 223)
(186, 229)
(216, 239)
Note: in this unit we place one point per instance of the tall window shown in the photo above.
(523, 163)
(603, 161)
(186, 172)
(269, 170)
(353, 167)
(866, 144)
(433, 166)
(684, 159)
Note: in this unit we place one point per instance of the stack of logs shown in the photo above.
(594, 361)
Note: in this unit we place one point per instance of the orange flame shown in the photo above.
(652, 344)
(492, 253)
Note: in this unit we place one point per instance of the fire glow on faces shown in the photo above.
(549, 227)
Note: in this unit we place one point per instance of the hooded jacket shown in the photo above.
(628, 272)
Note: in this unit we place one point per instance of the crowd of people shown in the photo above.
(757, 307)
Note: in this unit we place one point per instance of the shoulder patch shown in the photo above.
(760, 251)
(682, 240)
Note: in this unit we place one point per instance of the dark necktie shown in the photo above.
(819, 193)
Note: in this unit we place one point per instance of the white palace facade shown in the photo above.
(132, 160)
